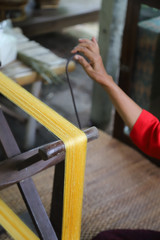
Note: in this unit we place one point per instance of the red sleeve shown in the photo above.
(146, 134)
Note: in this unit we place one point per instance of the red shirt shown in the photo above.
(145, 134)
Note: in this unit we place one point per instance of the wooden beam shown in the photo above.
(100, 100)
(112, 17)
(56, 212)
(127, 60)
(44, 21)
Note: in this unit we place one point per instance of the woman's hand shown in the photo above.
(126, 107)
(94, 67)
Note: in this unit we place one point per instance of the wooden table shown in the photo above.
(23, 74)
(49, 20)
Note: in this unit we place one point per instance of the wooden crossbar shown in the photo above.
(14, 169)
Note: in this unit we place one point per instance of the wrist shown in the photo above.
(106, 81)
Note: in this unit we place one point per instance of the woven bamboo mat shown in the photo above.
(122, 189)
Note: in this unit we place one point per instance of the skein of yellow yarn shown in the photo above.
(75, 143)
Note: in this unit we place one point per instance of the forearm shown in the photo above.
(125, 106)
(145, 128)
(128, 109)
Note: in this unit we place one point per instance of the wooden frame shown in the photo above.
(27, 187)
(13, 170)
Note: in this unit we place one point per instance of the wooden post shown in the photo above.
(127, 61)
(32, 123)
(112, 17)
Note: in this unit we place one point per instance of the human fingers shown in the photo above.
(85, 64)
(94, 40)
(85, 40)
(79, 46)
(91, 44)
(92, 47)
(87, 53)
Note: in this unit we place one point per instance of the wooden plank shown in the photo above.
(101, 106)
(23, 74)
(10, 146)
(15, 67)
(25, 78)
(56, 212)
(112, 13)
(29, 44)
(30, 135)
(44, 21)
(27, 188)
(9, 170)
(127, 60)
(36, 210)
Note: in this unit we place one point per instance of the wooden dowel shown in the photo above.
(50, 150)
(53, 149)
(31, 162)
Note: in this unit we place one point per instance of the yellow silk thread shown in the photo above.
(75, 143)
(14, 225)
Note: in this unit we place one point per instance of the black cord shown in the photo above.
(70, 87)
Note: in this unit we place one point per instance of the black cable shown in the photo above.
(70, 87)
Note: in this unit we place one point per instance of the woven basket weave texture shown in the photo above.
(122, 189)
